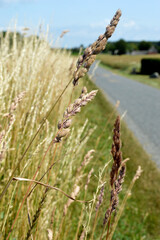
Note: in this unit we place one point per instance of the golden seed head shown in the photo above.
(78, 110)
(67, 123)
(80, 60)
(70, 108)
(84, 103)
(94, 45)
(63, 133)
(97, 50)
(88, 51)
(101, 37)
(82, 72)
(90, 61)
(77, 101)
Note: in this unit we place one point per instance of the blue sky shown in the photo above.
(86, 19)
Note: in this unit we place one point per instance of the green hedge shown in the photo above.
(150, 65)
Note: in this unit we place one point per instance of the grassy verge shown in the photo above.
(140, 219)
(124, 64)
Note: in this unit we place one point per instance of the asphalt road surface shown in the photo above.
(141, 104)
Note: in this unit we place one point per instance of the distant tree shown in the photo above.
(131, 46)
(158, 46)
(143, 45)
(110, 48)
(121, 46)
(75, 51)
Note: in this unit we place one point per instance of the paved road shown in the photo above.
(142, 104)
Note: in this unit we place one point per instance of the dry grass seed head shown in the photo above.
(116, 152)
(71, 111)
(86, 60)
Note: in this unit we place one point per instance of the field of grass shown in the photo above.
(68, 163)
(125, 63)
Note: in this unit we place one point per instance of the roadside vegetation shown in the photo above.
(140, 218)
(64, 167)
(125, 64)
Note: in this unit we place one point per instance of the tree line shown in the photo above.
(122, 47)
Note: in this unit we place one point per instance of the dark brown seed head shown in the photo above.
(116, 153)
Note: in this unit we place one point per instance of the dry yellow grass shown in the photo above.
(32, 77)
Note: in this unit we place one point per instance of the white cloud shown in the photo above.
(129, 24)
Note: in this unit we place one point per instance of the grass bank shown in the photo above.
(124, 64)
(140, 219)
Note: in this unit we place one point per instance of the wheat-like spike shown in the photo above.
(71, 111)
(116, 152)
(86, 60)
(117, 173)
(100, 198)
(37, 214)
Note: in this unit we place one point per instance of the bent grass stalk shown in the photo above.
(54, 188)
